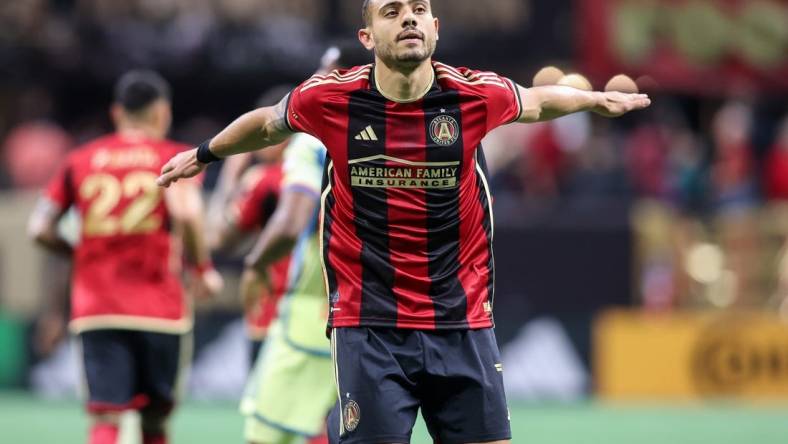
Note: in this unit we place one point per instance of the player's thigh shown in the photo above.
(375, 389)
(289, 392)
(463, 399)
(336, 430)
(108, 362)
(163, 360)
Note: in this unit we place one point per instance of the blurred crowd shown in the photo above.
(59, 58)
(723, 161)
(705, 181)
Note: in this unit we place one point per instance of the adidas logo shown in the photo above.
(367, 134)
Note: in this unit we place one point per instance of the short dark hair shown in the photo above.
(365, 15)
(137, 89)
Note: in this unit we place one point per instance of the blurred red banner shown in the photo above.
(696, 46)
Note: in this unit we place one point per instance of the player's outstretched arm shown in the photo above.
(542, 103)
(252, 131)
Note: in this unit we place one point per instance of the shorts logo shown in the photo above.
(351, 415)
(444, 130)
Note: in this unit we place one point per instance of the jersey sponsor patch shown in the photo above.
(383, 171)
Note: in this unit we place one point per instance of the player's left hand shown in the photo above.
(205, 284)
(614, 103)
(254, 285)
(183, 166)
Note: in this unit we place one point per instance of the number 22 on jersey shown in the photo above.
(105, 192)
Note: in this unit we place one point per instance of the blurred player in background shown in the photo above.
(129, 309)
(245, 197)
(407, 224)
(291, 390)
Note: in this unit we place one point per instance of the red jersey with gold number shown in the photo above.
(127, 264)
(407, 225)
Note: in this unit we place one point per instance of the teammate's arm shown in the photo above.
(221, 230)
(252, 131)
(293, 214)
(549, 102)
(225, 232)
(42, 227)
(185, 205)
(224, 235)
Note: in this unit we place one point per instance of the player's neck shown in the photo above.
(404, 85)
(135, 131)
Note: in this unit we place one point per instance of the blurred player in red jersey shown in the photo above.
(290, 391)
(247, 213)
(245, 197)
(407, 223)
(128, 306)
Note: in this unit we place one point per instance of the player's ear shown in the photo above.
(116, 114)
(365, 37)
(164, 115)
(437, 28)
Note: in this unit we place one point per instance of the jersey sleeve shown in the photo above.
(503, 99)
(303, 165)
(60, 189)
(304, 109)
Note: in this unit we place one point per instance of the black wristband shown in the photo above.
(204, 154)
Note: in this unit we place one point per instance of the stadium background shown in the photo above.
(642, 271)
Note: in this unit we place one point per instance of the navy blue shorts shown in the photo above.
(128, 369)
(385, 375)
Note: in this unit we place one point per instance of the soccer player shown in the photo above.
(406, 223)
(129, 309)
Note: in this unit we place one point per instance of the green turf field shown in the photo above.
(24, 420)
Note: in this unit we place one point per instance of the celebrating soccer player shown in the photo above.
(129, 309)
(406, 223)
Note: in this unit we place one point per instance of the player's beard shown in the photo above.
(407, 57)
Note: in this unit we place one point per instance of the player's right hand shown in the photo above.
(183, 166)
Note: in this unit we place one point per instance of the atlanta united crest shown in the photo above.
(351, 415)
(444, 130)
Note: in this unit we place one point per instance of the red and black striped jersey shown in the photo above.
(407, 224)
